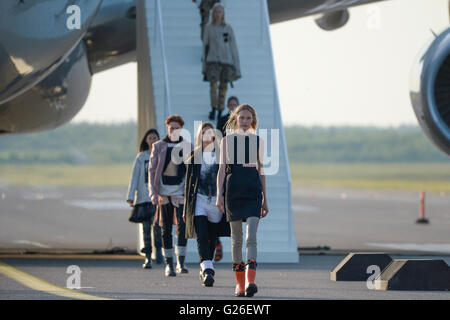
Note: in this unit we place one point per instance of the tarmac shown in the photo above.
(45, 230)
(122, 277)
(85, 219)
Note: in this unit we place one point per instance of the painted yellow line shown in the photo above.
(64, 256)
(36, 283)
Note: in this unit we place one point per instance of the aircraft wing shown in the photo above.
(282, 10)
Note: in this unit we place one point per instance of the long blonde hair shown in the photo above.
(232, 120)
(214, 8)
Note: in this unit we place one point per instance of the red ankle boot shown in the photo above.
(250, 275)
(239, 273)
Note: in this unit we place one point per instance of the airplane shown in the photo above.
(47, 61)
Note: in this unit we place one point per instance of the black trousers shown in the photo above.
(152, 237)
(206, 237)
(167, 221)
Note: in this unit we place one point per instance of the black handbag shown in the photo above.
(142, 212)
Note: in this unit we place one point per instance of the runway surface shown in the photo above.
(125, 279)
(85, 219)
(47, 218)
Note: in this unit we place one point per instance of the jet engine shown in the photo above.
(430, 90)
(333, 20)
(49, 51)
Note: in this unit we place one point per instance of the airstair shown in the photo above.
(178, 88)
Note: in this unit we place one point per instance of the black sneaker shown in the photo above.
(207, 277)
(147, 264)
(169, 272)
(181, 269)
(180, 265)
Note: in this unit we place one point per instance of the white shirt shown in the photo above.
(206, 204)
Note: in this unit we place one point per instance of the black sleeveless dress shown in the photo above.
(243, 189)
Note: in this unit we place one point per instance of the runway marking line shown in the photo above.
(38, 284)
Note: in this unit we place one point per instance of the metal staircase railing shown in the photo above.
(160, 34)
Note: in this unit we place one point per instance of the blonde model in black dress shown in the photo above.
(245, 192)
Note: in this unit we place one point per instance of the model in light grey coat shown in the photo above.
(220, 59)
(137, 196)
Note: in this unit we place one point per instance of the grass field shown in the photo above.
(66, 175)
(424, 176)
(405, 176)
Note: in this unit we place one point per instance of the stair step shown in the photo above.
(189, 96)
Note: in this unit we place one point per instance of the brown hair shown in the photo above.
(175, 118)
(144, 145)
(232, 120)
(199, 135)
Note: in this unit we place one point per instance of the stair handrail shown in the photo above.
(278, 111)
(277, 101)
(168, 105)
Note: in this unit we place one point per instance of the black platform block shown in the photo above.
(354, 266)
(403, 274)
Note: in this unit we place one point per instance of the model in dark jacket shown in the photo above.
(203, 220)
(232, 103)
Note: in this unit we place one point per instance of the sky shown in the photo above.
(357, 75)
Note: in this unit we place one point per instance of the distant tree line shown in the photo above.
(80, 143)
(361, 144)
(84, 143)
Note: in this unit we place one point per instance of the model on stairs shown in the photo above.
(220, 59)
